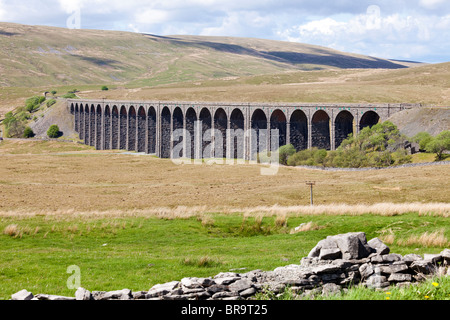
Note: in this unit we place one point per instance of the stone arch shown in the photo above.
(107, 128)
(165, 132)
(177, 123)
(82, 124)
(320, 130)
(369, 119)
(77, 119)
(151, 130)
(191, 118)
(343, 126)
(237, 136)
(123, 118)
(278, 122)
(98, 128)
(131, 146)
(206, 138)
(258, 133)
(141, 122)
(92, 117)
(115, 128)
(299, 130)
(220, 126)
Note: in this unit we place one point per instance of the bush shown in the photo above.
(422, 138)
(51, 102)
(28, 133)
(439, 144)
(53, 131)
(69, 95)
(105, 88)
(33, 103)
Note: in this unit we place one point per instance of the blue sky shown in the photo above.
(416, 30)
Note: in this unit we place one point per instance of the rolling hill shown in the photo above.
(39, 55)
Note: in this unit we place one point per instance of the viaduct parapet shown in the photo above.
(232, 130)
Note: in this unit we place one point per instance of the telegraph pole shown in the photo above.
(311, 183)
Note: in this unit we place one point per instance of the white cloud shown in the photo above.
(392, 36)
(431, 4)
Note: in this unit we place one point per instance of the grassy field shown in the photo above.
(131, 221)
(137, 252)
(57, 176)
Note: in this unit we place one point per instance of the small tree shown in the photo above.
(422, 138)
(28, 133)
(439, 144)
(105, 88)
(53, 131)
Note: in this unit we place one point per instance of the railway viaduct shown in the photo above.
(231, 130)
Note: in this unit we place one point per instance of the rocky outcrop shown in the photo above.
(333, 265)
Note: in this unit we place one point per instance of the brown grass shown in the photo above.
(111, 184)
(427, 239)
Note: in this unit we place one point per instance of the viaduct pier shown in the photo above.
(231, 130)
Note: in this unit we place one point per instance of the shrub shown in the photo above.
(28, 133)
(285, 152)
(105, 88)
(439, 144)
(51, 102)
(33, 103)
(53, 92)
(422, 138)
(69, 95)
(53, 131)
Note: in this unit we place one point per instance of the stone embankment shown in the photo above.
(333, 265)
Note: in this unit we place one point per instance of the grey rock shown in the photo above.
(434, 258)
(445, 254)
(240, 285)
(191, 283)
(378, 246)
(392, 257)
(22, 295)
(139, 295)
(376, 259)
(162, 289)
(83, 294)
(226, 280)
(224, 294)
(394, 268)
(52, 297)
(353, 245)
(124, 294)
(329, 289)
(366, 270)
(298, 282)
(328, 268)
(410, 258)
(377, 282)
(399, 277)
(248, 292)
(330, 254)
(422, 266)
(216, 288)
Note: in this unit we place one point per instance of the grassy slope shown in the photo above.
(34, 59)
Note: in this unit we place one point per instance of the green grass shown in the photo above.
(435, 288)
(138, 252)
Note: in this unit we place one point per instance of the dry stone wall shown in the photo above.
(334, 264)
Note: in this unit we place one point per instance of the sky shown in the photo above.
(417, 30)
